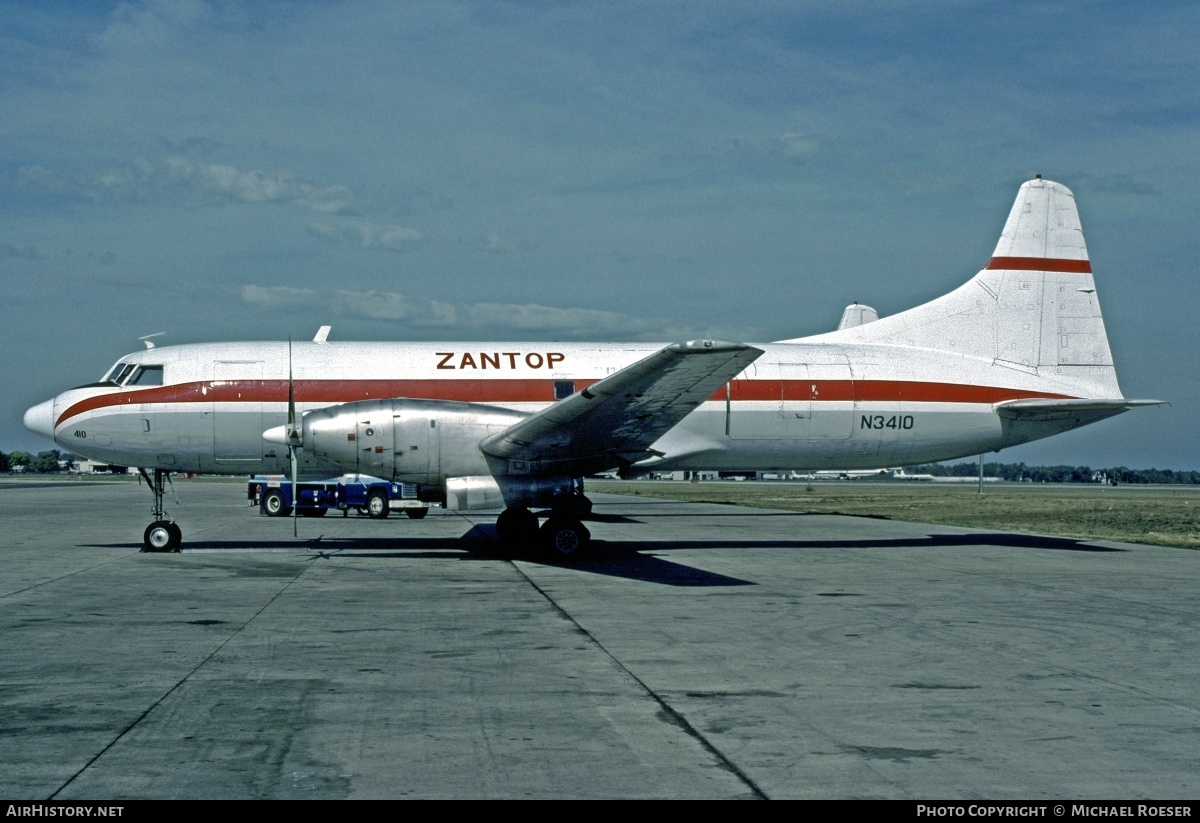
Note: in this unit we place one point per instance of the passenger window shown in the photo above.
(563, 388)
(147, 376)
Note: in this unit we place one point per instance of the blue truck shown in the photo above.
(370, 496)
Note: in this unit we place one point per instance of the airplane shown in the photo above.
(825, 474)
(1017, 353)
(901, 474)
(846, 474)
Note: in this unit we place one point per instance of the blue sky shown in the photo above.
(555, 170)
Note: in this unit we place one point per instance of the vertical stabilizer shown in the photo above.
(1042, 232)
(1033, 307)
(1047, 312)
(856, 314)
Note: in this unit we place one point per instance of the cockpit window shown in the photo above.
(119, 373)
(131, 374)
(147, 376)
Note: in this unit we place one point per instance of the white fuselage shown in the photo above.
(799, 406)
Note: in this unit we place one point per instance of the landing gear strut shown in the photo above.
(563, 537)
(162, 535)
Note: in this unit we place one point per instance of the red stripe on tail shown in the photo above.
(1040, 264)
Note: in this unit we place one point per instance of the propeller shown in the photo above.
(295, 440)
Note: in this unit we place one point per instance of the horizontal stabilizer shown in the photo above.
(1041, 409)
(614, 421)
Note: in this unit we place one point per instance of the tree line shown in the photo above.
(52, 461)
(47, 462)
(1021, 473)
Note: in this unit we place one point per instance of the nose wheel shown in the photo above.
(162, 535)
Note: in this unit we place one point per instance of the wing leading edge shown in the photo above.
(613, 422)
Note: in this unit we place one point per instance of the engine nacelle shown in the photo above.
(411, 441)
(487, 492)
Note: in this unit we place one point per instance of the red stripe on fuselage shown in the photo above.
(1040, 264)
(328, 392)
(875, 391)
(502, 391)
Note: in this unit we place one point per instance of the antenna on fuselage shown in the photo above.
(148, 341)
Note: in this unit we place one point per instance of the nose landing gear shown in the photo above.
(162, 535)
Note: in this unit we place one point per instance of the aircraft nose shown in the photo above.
(40, 419)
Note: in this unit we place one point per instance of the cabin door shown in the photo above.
(237, 410)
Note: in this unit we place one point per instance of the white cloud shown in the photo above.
(229, 183)
(796, 146)
(375, 305)
(81, 185)
(274, 297)
(216, 182)
(472, 319)
(155, 24)
(497, 244)
(531, 316)
(369, 235)
(374, 236)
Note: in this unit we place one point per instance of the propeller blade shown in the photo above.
(292, 443)
(291, 395)
(295, 494)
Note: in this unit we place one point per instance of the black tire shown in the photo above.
(564, 539)
(377, 505)
(582, 506)
(273, 506)
(517, 528)
(158, 537)
(416, 514)
(176, 536)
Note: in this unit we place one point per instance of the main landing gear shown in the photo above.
(563, 537)
(162, 535)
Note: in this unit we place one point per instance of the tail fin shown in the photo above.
(1033, 308)
(1042, 250)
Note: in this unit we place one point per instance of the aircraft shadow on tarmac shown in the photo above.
(614, 559)
(632, 559)
(1002, 539)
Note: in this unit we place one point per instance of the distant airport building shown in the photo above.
(85, 466)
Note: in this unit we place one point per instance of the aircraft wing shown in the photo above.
(614, 421)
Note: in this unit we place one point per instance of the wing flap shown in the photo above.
(614, 421)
